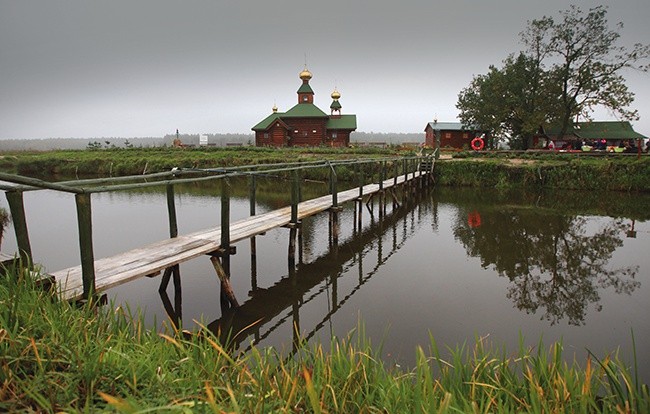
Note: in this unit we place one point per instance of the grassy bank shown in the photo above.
(569, 172)
(500, 170)
(134, 161)
(58, 357)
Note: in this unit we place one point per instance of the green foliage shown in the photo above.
(511, 101)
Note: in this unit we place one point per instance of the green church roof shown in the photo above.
(302, 110)
(266, 122)
(344, 122)
(335, 104)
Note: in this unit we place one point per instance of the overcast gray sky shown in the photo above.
(134, 68)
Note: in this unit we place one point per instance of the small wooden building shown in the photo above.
(305, 124)
(452, 135)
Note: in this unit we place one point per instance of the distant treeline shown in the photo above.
(217, 140)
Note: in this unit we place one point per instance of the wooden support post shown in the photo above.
(17, 210)
(225, 216)
(84, 221)
(370, 205)
(164, 281)
(171, 211)
(226, 288)
(252, 195)
(178, 297)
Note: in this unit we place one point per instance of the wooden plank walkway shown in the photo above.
(116, 270)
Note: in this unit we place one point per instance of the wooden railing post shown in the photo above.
(333, 187)
(361, 180)
(171, 210)
(252, 194)
(395, 173)
(84, 222)
(225, 217)
(295, 197)
(17, 210)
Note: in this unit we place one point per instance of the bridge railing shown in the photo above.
(15, 185)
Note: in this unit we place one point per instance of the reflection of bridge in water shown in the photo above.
(281, 303)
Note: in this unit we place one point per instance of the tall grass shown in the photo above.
(56, 357)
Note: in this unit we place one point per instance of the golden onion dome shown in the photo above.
(305, 74)
(275, 108)
(336, 94)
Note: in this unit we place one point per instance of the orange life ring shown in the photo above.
(474, 219)
(478, 144)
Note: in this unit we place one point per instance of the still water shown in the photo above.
(456, 264)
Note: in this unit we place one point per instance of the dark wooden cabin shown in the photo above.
(452, 135)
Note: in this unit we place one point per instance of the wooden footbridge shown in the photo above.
(374, 179)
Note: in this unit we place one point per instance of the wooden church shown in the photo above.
(305, 124)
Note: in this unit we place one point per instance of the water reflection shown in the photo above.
(556, 263)
(306, 281)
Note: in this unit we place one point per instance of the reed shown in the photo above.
(60, 357)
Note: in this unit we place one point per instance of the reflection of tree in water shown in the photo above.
(551, 260)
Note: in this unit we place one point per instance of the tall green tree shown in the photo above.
(586, 62)
(568, 68)
(511, 101)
